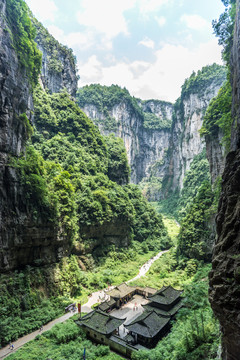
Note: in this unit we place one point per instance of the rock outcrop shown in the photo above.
(25, 237)
(161, 139)
(186, 141)
(225, 275)
(215, 155)
(145, 146)
(58, 63)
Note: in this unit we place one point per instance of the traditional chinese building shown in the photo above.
(145, 330)
(99, 325)
(167, 299)
(123, 293)
(148, 328)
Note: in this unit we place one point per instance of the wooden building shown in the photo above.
(145, 330)
(148, 328)
(123, 293)
(166, 298)
(99, 326)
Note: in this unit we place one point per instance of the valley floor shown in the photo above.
(93, 299)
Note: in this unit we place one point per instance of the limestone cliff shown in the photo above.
(58, 62)
(186, 141)
(25, 237)
(225, 275)
(145, 143)
(215, 155)
(161, 139)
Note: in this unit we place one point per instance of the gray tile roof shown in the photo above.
(100, 322)
(121, 291)
(167, 295)
(147, 289)
(150, 306)
(148, 324)
(104, 306)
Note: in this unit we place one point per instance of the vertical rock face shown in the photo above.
(15, 96)
(144, 146)
(161, 139)
(186, 141)
(24, 238)
(235, 70)
(224, 290)
(215, 155)
(58, 63)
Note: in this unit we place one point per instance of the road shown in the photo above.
(93, 299)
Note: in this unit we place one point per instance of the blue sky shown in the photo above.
(148, 46)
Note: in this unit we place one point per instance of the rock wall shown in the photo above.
(25, 237)
(144, 146)
(58, 63)
(216, 155)
(185, 140)
(157, 150)
(224, 290)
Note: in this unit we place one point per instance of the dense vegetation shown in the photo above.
(63, 341)
(152, 121)
(218, 117)
(71, 176)
(224, 28)
(194, 208)
(106, 97)
(177, 204)
(23, 34)
(200, 81)
(23, 305)
(53, 47)
(195, 333)
(91, 163)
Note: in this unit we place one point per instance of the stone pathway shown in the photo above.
(144, 269)
(93, 299)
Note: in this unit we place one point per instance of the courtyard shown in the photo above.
(130, 311)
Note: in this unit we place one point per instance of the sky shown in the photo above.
(148, 46)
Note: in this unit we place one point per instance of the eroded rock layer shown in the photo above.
(225, 275)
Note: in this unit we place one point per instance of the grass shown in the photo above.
(164, 272)
(170, 223)
(64, 341)
(172, 226)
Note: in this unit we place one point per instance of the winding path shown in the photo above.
(93, 299)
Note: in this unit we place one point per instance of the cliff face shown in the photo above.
(144, 145)
(215, 155)
(58, 63)
(185, 140)
(24, 239)
(225, 275)
(161, 139)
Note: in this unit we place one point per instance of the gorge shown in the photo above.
(78, 168)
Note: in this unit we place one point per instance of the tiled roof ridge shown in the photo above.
(107, 315)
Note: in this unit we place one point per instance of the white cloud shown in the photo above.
(162, 79)
(56, 32)
(149, 6)
(90, 70)
(76, 40)
(44, 9)
(147, 42)
(194, 22)
(105, 16)
(161, 20)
